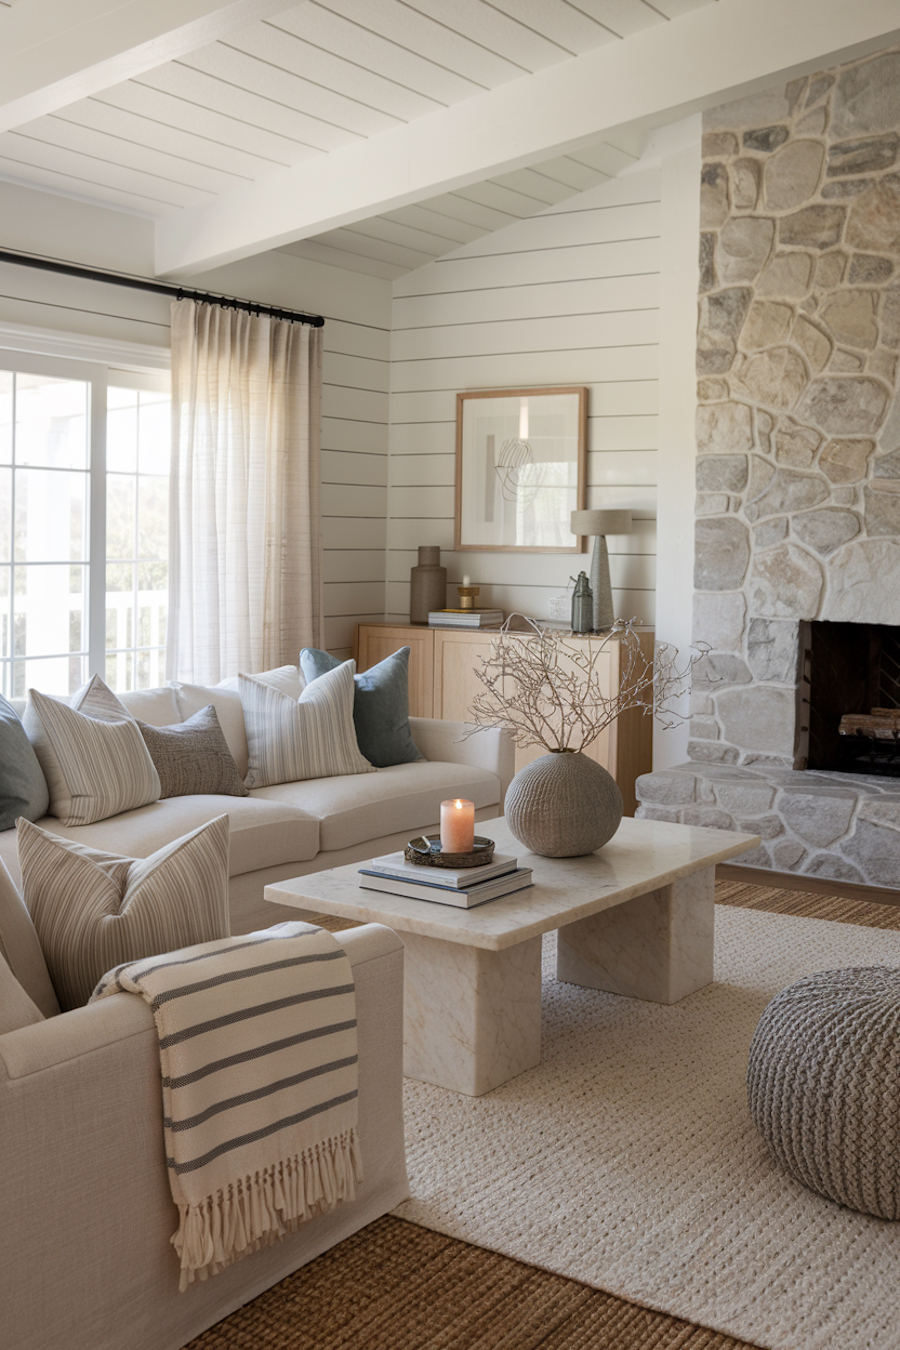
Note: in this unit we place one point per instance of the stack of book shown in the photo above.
(464, 887)
(466, 618)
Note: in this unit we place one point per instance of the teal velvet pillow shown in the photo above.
(23, 787)
(380, 706)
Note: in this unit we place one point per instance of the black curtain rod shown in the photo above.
(157, 287)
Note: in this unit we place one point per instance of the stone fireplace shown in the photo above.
(798, 468)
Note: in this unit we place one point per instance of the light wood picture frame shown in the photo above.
(520, 469)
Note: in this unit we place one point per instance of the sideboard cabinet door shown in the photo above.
(375, 641)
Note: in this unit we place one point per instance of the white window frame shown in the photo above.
(124, 365)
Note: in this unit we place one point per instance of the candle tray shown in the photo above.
(426, 850)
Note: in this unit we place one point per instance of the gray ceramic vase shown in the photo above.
(563, 805)
(427, 585)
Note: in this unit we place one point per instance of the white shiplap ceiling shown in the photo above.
(295, 87)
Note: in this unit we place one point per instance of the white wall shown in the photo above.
(355, 364)
(677, 409)
(569, 296)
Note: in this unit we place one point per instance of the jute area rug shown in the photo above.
(617, 1197)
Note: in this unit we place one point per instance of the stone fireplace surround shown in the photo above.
(798, 469)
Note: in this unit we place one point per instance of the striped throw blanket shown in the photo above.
(257, 1039)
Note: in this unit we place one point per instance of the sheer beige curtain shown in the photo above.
(245, 551)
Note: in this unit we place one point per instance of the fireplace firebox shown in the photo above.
(852, 674)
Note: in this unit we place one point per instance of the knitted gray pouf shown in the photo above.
(823, 1085)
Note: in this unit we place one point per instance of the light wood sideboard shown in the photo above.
(443, 683)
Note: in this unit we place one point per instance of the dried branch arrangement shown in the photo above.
(545, 688)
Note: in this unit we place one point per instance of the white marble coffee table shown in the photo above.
(635, 918)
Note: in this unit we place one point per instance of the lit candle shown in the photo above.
(457, 826)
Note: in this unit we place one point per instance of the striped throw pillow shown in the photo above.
(94, 910)
(92, 753)
(290, 739)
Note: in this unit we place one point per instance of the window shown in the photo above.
(84, 462)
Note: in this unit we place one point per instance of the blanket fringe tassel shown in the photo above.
(255, 1211)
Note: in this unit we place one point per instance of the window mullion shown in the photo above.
(97, 526)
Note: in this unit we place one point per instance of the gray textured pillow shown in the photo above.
(380, 705)
(192, 757)
(23, 787)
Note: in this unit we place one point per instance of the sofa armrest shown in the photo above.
(85, 1032)
(488, 748)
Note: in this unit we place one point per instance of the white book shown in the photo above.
(443, 895)
(472, 619)
(452, 878)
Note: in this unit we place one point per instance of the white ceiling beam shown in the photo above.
(703, 58)
(54, 52)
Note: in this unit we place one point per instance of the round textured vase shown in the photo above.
(563, 805)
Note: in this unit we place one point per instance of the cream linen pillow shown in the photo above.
(95, 910)
(92, 753)
(286, 679)
(290, 739)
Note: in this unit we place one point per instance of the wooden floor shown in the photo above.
(792, 881)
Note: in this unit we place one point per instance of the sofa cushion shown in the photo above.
(19, 943)
(380, 705)
(23, 787)
(93, 755)
(16, 1008)
(193, 757)
(227, 703)
(94, 910)
(262, 833)
(290, 739)
(402, 797)
(159, 707)
(286, 679)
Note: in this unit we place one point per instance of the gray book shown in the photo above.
(446, 895)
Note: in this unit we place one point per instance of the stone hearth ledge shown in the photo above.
(837, 826)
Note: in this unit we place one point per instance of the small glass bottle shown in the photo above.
(582, 605)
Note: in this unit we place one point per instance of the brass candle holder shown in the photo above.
(467, 596)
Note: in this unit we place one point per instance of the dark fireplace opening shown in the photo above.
(853, 672)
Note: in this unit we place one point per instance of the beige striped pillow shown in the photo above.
(94, 910)
(311, 737)
(92, 753)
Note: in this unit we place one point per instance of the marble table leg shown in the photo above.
(472, 1018)
(657, 946)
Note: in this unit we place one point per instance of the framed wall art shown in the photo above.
(520, 468)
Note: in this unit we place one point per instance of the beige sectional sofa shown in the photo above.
(295, 828)
(85, 1255)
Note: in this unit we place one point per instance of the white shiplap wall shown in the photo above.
(355, 364)
(569, 296)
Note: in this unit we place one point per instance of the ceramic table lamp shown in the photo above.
(600, 524)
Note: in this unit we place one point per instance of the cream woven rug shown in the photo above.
(627, 1159)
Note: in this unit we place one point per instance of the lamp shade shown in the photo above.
(600, 522)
